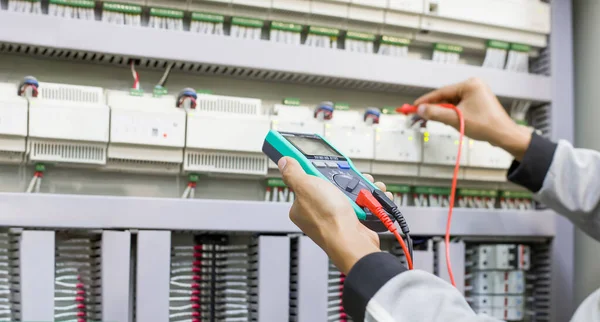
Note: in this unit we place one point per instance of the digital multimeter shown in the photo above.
(319, 158)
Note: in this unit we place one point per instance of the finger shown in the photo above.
(389, 195)
(381, 186)
(437, 113)
(447, 93)
(369, 177)
(292, 173)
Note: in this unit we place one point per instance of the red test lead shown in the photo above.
(411, 109)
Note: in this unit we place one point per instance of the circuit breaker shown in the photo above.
(440, 147)
(68, 123)
(225, 135)
(13, 124)
(349, 133)
(146, 133)
(398, 148)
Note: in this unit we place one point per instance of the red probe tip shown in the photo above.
(407, 109)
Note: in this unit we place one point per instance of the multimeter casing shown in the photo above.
(319, 158)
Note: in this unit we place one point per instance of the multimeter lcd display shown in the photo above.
(312, 146)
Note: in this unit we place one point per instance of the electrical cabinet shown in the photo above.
(440, 144)
(68, 123)
(225, 135)
(398, 148)
(13, 124)
(352, 136)
(519, 21)
(146, 133)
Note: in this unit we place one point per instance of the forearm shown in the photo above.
(564, 178)
(379, 288)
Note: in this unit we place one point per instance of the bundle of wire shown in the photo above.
(136, 76)
(518, 58)
(495, 55)
(335, 289)
(359, 42)
(207, 23)
(121, 14)
(410, 109)
(25, 6)
(287, 33)
(321, 37)
(168, 19)
(393, 46)
(8, 303)
(78, 9)
(246, 28)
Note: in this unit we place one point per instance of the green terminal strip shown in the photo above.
(360, 36)
(208, 17)
(40, 167)
(521, 122)
(389, 110)
(204, 92)
(291, 101)
(121, 7)
(322, 31)
(136, 92)
(448, 48)
(75, 3)
(498, 44)
(520, 48)
(396, 41)
(432, 191)
(193, 177)
(477, 193)
(286, 26)
(159, 91)
(341, 106)
(276, 182)
(516, 194)
(397, 188)
(166, 13)
(247, 22)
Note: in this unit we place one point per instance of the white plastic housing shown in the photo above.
(504, 314)
(502, 257)
(351, 135)
(231, 127)
(518, 21)
(440, 145)
(396, 142)
(145, 128)
(13, 124)
(484, 155)
(298, 119)
(68, 123)
(498, 301)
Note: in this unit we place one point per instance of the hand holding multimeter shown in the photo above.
(319, 158)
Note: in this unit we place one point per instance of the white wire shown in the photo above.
(31, 184)
(186, 192)
(38, 185)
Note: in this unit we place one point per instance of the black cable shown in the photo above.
(390, 207)
(409, 244)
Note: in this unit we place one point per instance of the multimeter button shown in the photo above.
(343, 165)
(352, 185)
(331, 164)
(319, 164)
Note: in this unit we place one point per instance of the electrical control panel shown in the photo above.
(398, 148)
(351, 135)
(145, 128)
(13, 124)
(68, 123)
(224, 134)
(519, 21)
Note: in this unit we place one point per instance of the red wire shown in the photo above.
(453, 188)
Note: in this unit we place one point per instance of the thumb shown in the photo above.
(438, 113)
(291, 172)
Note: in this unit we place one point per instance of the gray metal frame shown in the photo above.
(36, 260)
(104, 212)
(311, 284)
(273, 272)
(115, 261)
(153, 271)
(562, 120)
